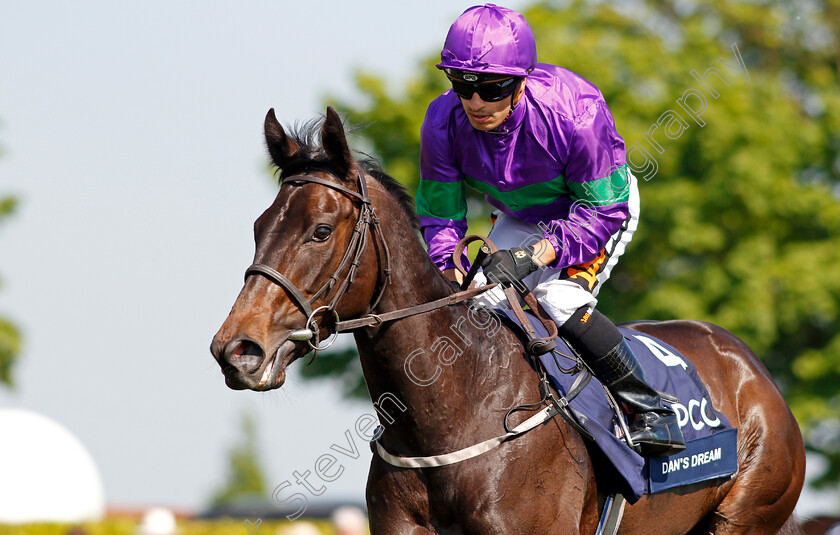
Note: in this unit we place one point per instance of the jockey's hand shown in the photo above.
(453, 275)
(509, 265)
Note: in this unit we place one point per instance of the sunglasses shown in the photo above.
(492, 91)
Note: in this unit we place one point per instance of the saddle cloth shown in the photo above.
(710, 439)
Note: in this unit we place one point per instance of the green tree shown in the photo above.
(740, 219)
(342, 365)
(245, 474)
(9, 334)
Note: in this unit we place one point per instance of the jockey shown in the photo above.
(541, 143)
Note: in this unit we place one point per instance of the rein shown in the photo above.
(368, 220)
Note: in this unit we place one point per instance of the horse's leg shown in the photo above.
(771, 454)
(540, 483)
(769, 480)
(397, 502)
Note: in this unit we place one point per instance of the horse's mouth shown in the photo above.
(271, 375)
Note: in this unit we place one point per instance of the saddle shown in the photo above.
(588, 406)
(578, 396)
(710, 439)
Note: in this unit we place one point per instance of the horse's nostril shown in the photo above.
(244, 355)
(246, 348)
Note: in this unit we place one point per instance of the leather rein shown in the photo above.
(367, 223)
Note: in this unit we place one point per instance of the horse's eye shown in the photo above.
(322, 232)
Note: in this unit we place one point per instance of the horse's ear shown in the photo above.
(281, 148)
(335, 143)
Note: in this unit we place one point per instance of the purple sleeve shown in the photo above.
(595, 162)
(441, 203)
(441, 236)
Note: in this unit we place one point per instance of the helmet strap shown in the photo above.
(513, 105)
(512, 96)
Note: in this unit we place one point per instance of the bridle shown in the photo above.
(368, 221)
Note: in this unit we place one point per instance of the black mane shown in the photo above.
(312, 156)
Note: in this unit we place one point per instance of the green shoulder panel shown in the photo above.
(444, 200)
(611, 189)
(526, 196)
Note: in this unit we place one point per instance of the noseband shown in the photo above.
(368, 221)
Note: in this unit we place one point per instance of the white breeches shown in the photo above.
(562, 291)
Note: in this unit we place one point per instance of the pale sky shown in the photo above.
(132, 134)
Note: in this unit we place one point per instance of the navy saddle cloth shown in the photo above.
(710, 439)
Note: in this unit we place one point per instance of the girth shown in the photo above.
(350, 262)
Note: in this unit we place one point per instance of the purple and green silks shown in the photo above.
(557, 161)
(490, 39)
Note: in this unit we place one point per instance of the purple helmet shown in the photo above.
(490, 39)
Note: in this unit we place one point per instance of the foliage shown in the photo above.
(9, 335)
(342, 365)
(740, 222)
(245, 473)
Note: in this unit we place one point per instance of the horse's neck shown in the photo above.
(446, 370)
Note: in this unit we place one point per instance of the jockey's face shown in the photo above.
(488, 116)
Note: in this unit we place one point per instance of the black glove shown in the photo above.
(509, 265)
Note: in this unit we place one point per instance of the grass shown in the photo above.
(185, 527)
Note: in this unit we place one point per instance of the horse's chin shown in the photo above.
(272, 373)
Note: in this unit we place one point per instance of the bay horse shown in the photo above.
(343, 235)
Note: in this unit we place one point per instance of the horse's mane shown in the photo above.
(312, 156)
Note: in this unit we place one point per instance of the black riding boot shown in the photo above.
(653, 426)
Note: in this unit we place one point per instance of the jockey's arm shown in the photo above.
(544, 255)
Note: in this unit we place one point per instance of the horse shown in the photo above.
(341, 241)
